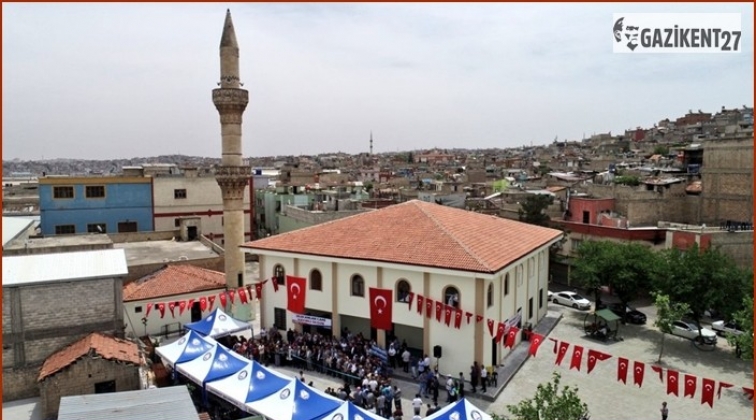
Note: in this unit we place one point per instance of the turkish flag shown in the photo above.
(458, 319)
(722, 385)
(596, 356)
(182, 307)
(439, 310)
(673, 377)
(258, 290)
(161, 308)
(448, 315)
(577, 357)
(500, 330)
(409, 300)
(190, 304)
(242, 292)
(639, 368)
(420, 304)
(223, 299)
(491, 326)
(478, 318)
(380, 309)
(172, 307)
(511, 335)
(211, 302)
(203, 304)
(748, 392)
(275, 284)
(658, 369)
(690, 386)
(707, 391)
(468, 315)
(535, 342)
(231, 295)
(563, 347)
(556, 344)
(622, 365)
(428, 308)
(296, 287)
(147, 311)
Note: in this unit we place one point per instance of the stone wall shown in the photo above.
(20, 383)
(727, 175)
(42, 319)
(646, 208)
(738, 245)
(80, 379)
(138, 271)
(165, 235)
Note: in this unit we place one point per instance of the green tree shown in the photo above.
(704, 280)
(661, 150)
(592, 267)
(743, 343)
(632, 269)
(667, 313)
(533, 209)
(551, 402)
(630, 180)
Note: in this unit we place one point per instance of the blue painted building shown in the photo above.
(107, 204)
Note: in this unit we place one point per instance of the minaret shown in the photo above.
(232, 176)
(371, 142)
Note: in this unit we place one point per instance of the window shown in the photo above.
(65, 229)
(489, 295)
(179, 193)
(63, 192)
(575, 244)
(519, 275)
(137, 309)
(279, 318)
(127, 227)
(279, 274)
(402, 291)
(506, 285)
(105, 387)
(530, 308)
(358, 285)
(316, 280)
(540, 298)
(97, 228)
(451, 296)
(176, 222)
(94, 191)
(531, 266)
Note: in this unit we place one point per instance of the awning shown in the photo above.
(607, 315)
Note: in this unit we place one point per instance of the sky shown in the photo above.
(109, 81)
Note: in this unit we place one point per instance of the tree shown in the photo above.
(533, 209)
(630, 180)
(550, 403)
(593, 266)
(667, 313)
(704, 280)
(661, 150)
(632, 269)
(743, 343)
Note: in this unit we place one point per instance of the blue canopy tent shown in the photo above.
(349, 411)
(216, 363)
(190, 346)
(296, 401)
(252, 383)
(460, 410)
(218, 324)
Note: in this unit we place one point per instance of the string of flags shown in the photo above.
(381, 301)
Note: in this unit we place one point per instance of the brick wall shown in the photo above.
(80, 379)
(42, 319)
(727, 177)
(166, 235)
(20, 383)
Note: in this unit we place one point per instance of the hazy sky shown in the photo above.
(132, 80)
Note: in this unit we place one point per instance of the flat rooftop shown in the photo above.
(28, 409)
(150, 252)
(63, 241)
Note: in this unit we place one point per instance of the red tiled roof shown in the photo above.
(174, 280)
(417, 233)
(107, 347)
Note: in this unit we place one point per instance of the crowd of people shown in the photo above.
(365, 369)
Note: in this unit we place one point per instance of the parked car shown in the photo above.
(551, 295)
(628, 313)
(722, 327)
(571, 299)
(689, 330)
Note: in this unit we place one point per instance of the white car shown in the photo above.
(551, 295)
(722, 328)
(690, 331)
(571, 299)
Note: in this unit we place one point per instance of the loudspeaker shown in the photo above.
(437, 351)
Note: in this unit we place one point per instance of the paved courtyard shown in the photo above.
(607, 398)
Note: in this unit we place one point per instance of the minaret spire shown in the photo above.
(371, 142)
(232, 175)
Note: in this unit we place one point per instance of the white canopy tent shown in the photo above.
(218, 324)
(190, 346)
(460, 410)
(251, 383)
